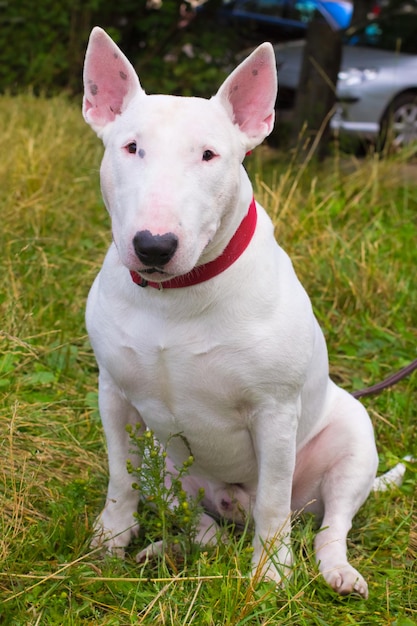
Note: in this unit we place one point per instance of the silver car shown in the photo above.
(377, 83)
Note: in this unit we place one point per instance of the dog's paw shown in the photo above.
(269, 573)
(272, 564)
(150, 552)
(157, 549)
(345, 580)
(113, 538)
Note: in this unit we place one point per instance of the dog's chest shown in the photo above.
(178, 369)
(190, 385)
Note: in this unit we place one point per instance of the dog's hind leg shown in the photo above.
(348, 446)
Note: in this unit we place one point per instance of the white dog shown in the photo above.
(201, 328)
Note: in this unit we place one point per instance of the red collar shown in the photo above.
(236, 246)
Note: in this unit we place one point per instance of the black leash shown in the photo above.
(388, 382)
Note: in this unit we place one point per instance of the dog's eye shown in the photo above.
(208, 155)
(132, 147)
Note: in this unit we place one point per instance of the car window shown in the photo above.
(393, 33)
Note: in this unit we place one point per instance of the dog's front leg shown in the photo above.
(116, 525)
(274, 440)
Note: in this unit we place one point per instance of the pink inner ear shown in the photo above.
(250, 95)
(108, 79)
(251, 92)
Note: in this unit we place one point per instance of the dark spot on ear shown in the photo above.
(116, 56)
(235, 88)
(141, 153)
(94, 89)
(122, 75)
(254, 72)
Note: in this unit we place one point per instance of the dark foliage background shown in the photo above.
(174, 48)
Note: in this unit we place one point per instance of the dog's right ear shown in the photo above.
(110, 81)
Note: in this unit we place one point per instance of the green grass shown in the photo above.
(351, 229)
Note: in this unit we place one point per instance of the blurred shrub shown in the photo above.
(175, 48)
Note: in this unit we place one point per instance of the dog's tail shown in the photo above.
(394, 477)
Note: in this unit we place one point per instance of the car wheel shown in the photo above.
(399, 123)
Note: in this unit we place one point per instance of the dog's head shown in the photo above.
(171, 174)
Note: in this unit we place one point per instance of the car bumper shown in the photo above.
(340, 123)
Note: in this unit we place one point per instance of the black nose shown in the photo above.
(154, 250)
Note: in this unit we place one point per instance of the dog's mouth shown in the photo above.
(155, 273)
(153, 270)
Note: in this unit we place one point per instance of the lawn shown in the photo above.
(350, 227)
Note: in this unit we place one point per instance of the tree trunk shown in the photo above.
(316, 94)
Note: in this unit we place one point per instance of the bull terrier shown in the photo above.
(201, 328)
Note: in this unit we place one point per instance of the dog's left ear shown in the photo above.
(249, 94)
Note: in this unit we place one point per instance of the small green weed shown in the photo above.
(172, 516)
